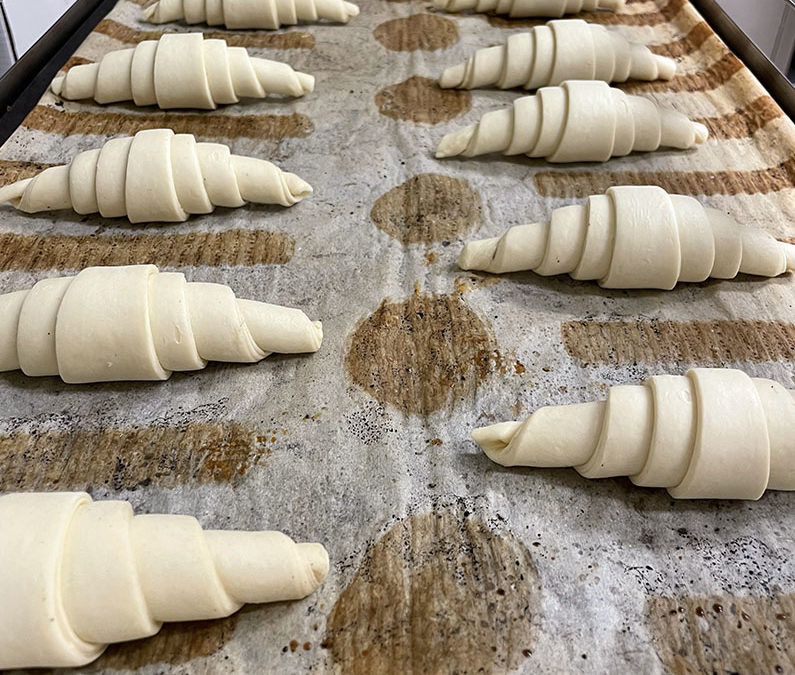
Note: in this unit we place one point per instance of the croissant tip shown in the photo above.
(57, 84)
(317, 558)
(317, 335)
(148, 13)
(351, 9)
(298, 187)
(307, 82)
(666, 68)
(701, 131)
(452, 77)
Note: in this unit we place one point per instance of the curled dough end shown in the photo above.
(478, 255)
(790, 250)
(455, 143)
(297, 186)
(666, 67)
(57, 84)
(316, 558)
(453, 76)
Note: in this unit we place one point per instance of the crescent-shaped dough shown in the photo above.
(156, 175)
(180, 70)
(249, 13)
(634, 237)
(523, 8)
(567, 49)
(135, 323)
(76, 575)
(712, 434)
(579, 121)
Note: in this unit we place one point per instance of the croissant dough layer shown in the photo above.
(711, 434)
(156, 175)
(180, 70)
(135, 323)
(567, 49)
(95, 574)
(634, 237)
(523, 8)
(579, 121)
(249, 13)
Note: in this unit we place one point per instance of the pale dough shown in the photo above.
(135, 323)
(249, 13)
(180, 70)
(156, 175)
(712, 434)
(634, 237)
(519, 8)
(78, 575)
(566, 49)
(579, 121)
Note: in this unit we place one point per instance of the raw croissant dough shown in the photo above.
(519, 8)
(135, 323)
(249, 13)
(567, 49)
(156, 175)
(579, 121)
(76, 575)
(633, 237)
(180, 70)
(712, 434)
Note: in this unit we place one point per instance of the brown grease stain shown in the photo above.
(702, 342)
(420, 100)
(288, 40)
(421, 355)
(14, 170)
(712, 77)
(123, 459)
(654, 18)
(426, 600)
(206, 125)
(231, 247)
(568, 184)
(687, 44)
(175, 644)
(745, 122)
(742, 634)
(428, 208)
(427, 32)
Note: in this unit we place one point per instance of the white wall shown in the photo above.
(759, 19)
(30, 19)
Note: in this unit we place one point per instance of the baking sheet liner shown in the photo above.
(441, 561)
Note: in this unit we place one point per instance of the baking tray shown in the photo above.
(441, 560)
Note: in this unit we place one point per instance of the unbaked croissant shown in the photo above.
(156, 175)
(135, 323)
(249, 13)
(567, 49)
(579, 121)
(712, 434)
(76, 575)
(180, 70)
(634, 237)
(521, 8)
